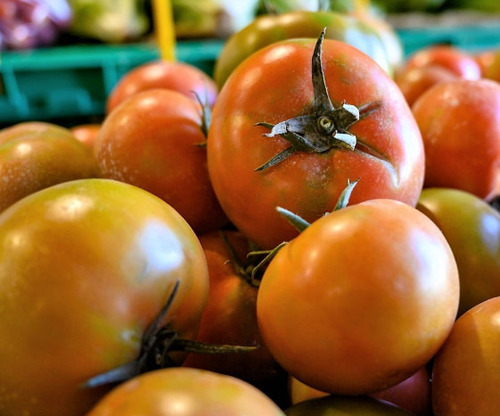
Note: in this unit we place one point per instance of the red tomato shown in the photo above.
(466, 371)
(35, 155)
(177, 76)
(86, 133)
(450, 57)
(361, 299)
(415, 81)
(230, 318)
(86, 266)
(185, 392)
(460, 125)
(153, 140)
(273, 86)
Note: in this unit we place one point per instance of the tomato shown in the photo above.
(185, 392)
(450, 57)
(177, 76)
(415, 81)
(154, 140)
(271, 88)
(361, 299)
(345, 405)
(35, 155)
(86, 266)
(412, 394)
(86, 133)
(472, 228)
(485, 60)
(230, 317)
(466, 371)
(460, 125)
(267, 29)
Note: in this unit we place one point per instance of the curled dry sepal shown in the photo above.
(325, 128)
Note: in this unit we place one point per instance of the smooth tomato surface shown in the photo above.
(86, 266)
(177, 76)
(452, 58)
(153, 140)
(185, 392)
(472, 228)
(466, 371)
(361, 299)
(460, 125)
(35, 155)
(346, 405)
(230, 318)
(273, 85)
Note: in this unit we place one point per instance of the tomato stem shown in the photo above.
(325, 128)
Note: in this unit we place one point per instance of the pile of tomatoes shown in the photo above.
(313, 233)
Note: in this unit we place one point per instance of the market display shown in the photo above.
(311, 227)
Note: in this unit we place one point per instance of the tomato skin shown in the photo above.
(412, 394)
(455, 60)
(267, 29)
(472, 228)
(86, 266)
(86, 133)
(35, 155)
(152, 140)
(460, 126)
(466, 371)
(230, 318)
(185, 392)
(346, 289)
(345, 405)
(269, 87)
(415, 81)
(177, 76)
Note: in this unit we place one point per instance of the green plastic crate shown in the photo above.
(74, 81)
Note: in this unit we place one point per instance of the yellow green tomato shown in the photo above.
(86, 266)
(267, 29)
(472, 228)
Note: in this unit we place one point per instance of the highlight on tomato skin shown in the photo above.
(249, 151)
(87, 265)
(469, 353)
(185, 391)
(349, 308)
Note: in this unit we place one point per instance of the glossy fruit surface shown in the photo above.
(86, 267)
(334, 302)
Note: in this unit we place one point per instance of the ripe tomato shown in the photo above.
(415, 81)
(230, 317)
(346, 405)
(187, 392)
(177, 76)
(153, 140)
(466, 371)
(86, 133)
(267, 29)
(272, 86)
(35, 155)
(472, 228)
(361, 299)
(450, 57)
(460, 125)
(86, 266)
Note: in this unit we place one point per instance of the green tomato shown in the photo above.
(472, 228)
(267, 29)
(345, 406)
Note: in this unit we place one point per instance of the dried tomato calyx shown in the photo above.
(327, 127)
(157, 342)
